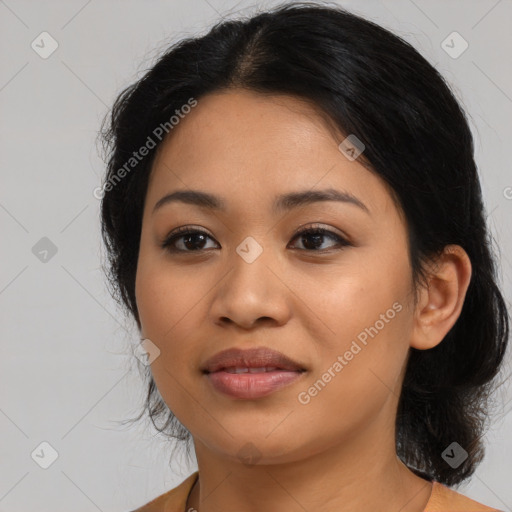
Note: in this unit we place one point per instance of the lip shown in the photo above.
(259, 357)
(218, 371)
(250, 386)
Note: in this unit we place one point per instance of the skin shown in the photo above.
(336, 452)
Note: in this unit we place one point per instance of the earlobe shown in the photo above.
(442, 298)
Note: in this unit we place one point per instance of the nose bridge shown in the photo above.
(250, 275)
(250, 290)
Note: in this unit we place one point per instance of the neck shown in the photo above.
(359, 474)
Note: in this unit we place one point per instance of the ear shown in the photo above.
(441, 300)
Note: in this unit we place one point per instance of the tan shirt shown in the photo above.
(442, 499)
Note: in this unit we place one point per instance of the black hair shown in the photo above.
(371, 83)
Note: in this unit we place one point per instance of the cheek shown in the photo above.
(368, 324)
(167, 298)
(355, 296)
(152, 297)
(358, 375)
(163, 314)
(171, 309)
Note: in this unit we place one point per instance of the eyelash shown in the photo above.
(167, 244)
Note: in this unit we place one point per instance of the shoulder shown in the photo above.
(172, 501)
(442, 499)
(445, 499)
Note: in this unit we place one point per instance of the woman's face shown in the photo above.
(341, 307)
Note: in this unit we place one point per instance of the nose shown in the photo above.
(252, 292)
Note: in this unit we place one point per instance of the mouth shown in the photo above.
(239, 370)
(251, 383)
(253, 360)
(251, 373)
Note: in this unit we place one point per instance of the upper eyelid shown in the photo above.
(304, 227)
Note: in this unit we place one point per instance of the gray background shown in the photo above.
(66, 372)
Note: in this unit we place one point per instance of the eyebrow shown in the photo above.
(282, 203)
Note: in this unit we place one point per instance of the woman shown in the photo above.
(293, 217)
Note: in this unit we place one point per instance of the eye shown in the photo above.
(192, 238)
(187, 239)
(316, 236)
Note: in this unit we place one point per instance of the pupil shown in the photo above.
(317, 241)
(187, 239)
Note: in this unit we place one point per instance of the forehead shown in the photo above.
(249, 147)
